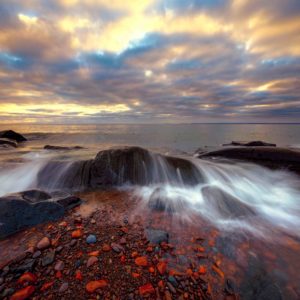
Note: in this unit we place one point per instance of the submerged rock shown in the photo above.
(62, 148)
(272, 157)
(7, 142)
(251, 144)
(12, 135)
(29, 208)
(115, 167)
(156, 236)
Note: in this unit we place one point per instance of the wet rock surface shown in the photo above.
(251, 144)
(29, 208)
(273, 157)
(8, 143)
(115, 167)
(62, 148)
(12, 135)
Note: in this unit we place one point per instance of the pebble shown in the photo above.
(73, 243)
(93, 221)
(91, 261)
(48, 259)
(172, 280)
(117, 248)
(7, 292)
(59, 248)
(59, 266)
(91, 239)
(171, 287)
(36, 254)
(63, 287)
(43, 243)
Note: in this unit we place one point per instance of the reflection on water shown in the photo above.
(181, 137)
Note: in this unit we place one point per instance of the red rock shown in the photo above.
(146, 289)
(151, 270)
(161, 267)
(94, 253)
(92, 286)
(58, 274)
(124, 229)
(189, 272)
(202, 270)
(23, 293)
(92, 260)
(161, 284)
(134, 254)
(43, 243)
(141, 261)
(149, 249)
(123, 259)
(47, 286)
(78, 275)
(106, 248)
(77, 234)
(63, 224)
(27, 277)
(200, 249)
(135, 275)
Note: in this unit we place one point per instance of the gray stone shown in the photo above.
(156, 236)
(48, 258)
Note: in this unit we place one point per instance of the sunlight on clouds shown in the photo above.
(60, 109)
(28, 20)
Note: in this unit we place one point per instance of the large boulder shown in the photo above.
(272, 157)
(29, 208)
(115, 167)
(12, 135)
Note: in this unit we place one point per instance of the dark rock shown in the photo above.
(63, 287)
(27, 265)
(116, 247)
(7, 142)
(129, 165)
(156, 236)
(29, 208)
(61, 148)
(48, 258)
(225, 204)
(12, 135)
(272, 157)
(251, 144)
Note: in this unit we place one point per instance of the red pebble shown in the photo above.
(202, 270)
(76, 234)
(47, 285)
(161, 267)
(23, 293)
(92, 286)
(146, 289)
(58, 274)
(141, 261)
(78, 275)
(27, 277)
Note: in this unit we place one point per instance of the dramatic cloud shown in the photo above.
(150, 61)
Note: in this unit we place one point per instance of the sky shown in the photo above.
(149, 61)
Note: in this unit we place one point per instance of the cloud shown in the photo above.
(149, 61)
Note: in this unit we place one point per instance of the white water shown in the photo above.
(232, 196)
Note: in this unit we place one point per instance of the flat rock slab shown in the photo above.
(29, 208)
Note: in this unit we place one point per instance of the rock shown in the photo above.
(91, 239)
(48, 259)
(225, 204)
(116, 247)
(114, 167)
(59, 266)
(63, 287)
(29, 208)
(141, 261)
(61, 148)
(25, 266)
(36, 254)
(146, 289)
(273, 157)
(7, 292)
(92, 286)
(7, 142)
(12, 135)
(251, 144)
(92, 260)
(156, 236)
(43, 243)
